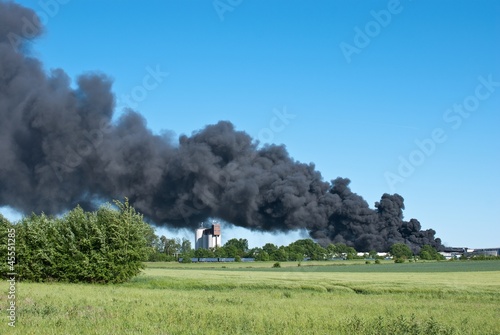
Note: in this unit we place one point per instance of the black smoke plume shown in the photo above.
(59, 147)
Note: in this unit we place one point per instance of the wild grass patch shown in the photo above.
(188, 300)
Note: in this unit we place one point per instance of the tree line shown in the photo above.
(173, 249)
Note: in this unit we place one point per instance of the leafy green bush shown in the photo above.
(158, 256)
(5, 227)
(399, 260)
(428, 252)
(262, 256)
(99, 247)
(425, 255)
(186, 259)
(277, 265)
(401, 250)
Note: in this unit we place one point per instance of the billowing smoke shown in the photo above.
(60, 147)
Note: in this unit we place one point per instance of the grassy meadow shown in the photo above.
(341, 297)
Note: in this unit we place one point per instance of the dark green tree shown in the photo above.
(185, 246)
(220, 252)
(252, 253)
(306, 248)
(231, 250)
(269, 248)
(159, 254)
(240, 245)
(262, 256)
(280, 255)
(331, 251)
(172, 247)
(342, 250)
(428, 252)
(202, 253)
(401, 250)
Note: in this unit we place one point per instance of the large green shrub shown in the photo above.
(428, 252)
(105, 246)
(401, 250)
(5, 227)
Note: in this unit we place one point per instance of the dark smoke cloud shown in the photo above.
(59, 147)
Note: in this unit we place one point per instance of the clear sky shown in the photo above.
(400, 97)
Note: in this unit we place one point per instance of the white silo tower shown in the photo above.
(206, 238)
(199, 238)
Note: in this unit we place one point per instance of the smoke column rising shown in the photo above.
(59, 147)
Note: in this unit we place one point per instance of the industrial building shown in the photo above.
(454, 252)
(486, 251)
(206, 238)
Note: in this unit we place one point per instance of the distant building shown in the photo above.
(454, 252)
(206, 238)
(487, 252)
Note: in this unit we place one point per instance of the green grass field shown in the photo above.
(341, 297)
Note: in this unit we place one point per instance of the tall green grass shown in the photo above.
(202, 300)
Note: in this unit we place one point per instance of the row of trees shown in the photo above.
(167, 250)
(108, 245)
(303, 249)
(172, 249)
(400, 252)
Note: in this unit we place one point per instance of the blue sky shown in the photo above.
(397, 96)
